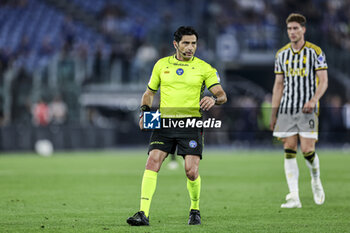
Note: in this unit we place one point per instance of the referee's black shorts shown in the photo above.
(188, 141)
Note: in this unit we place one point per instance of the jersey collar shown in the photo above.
(177, 60)
(298, 52)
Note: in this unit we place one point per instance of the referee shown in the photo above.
(182, 79)
(301, 80)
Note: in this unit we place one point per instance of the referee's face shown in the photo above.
(186, 47)
(295, 32)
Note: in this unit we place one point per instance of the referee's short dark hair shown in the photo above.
(295, 17)
(184, 30)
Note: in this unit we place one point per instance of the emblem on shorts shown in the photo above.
(157, 142)
(192, 144)
(180, 71)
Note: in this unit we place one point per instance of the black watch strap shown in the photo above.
(145, 108)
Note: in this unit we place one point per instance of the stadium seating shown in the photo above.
(37, 20)
(88, 49)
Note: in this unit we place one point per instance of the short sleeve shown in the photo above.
(321, 63)
(278, 65)
(154, 81)
(212, 77)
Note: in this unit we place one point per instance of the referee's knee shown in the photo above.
(192, 173)
(153, 163)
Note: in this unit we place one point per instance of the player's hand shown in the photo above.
(207, 103)
(309, 106)
(141, 123)
(273, 123)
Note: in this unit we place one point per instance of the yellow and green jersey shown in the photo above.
(182, 85)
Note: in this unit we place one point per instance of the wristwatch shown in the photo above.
(144, 108)
(214, 98)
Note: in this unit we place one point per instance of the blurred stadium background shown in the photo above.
(73, 71)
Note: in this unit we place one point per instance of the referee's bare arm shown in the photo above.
(276, 98)
(147, 99)
(320, 90)
(208, 102)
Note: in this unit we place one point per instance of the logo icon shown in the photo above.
(151, 120)
(192, 144)
(320, 58)
(180, 71)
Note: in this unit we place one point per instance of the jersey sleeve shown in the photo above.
(154, 81)
(278, 65)
(321, 63)
(212, 77)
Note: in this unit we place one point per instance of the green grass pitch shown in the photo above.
(96, 192)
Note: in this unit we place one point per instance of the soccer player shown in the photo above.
(301, 80)
(181, 79)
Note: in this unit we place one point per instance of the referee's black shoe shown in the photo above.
(195, 217)
(139, 219)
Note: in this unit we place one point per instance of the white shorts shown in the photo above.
(304, 124)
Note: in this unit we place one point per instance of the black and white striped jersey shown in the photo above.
(299, 70)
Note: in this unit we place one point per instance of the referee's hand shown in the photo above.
(207, 103)
(141, 122)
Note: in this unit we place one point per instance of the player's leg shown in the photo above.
(149, 180)
(291, 170)
(190, 145)
(155, 160)
(193, 187)
(307, 146)
(193, 179)
(308, 128)
(161, 144)
(148, 187)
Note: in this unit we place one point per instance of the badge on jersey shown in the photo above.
(320, 58)
(179, 71)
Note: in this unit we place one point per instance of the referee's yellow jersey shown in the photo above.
(182, 84)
